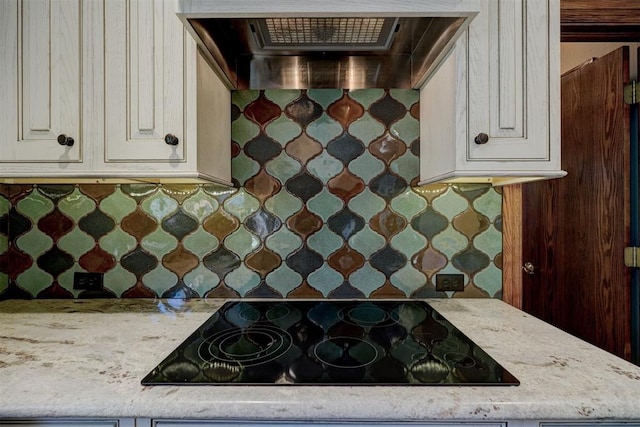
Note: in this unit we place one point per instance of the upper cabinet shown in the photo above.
(119, 83)
(491, 112)
(40, 65)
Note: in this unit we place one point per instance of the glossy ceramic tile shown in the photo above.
(323, 207)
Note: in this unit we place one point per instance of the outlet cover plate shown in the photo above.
(87, 281)
(449, 282)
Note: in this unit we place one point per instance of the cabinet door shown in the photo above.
(508, 80)
(144, 81)
(40, 83)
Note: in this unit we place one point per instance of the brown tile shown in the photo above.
(17, 262)
(139, 290)
(303, 148)
(304, 223)
(55, 291)
(415, 111)
(387, 148)
(262, 111)
(220, 224)
(97, 192)
(470, 223)
(55, 224)
(387, 291)
(97, 260)
(263, 185)
(222, 291)
(429, 261)
(345, 111)
(180, 192)
(432, 191)
(305, 291)
(346, 261)
(180, 261)
(346, 185)
(387, 223)
(263, 262)
(138, 224)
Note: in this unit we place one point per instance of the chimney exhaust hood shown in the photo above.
(357, 44)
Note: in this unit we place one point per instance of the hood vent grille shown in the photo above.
(324, 34)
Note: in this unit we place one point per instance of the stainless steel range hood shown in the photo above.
(288, 44)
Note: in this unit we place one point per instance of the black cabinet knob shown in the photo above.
(65, 140)
(481, 138)
(171, 139)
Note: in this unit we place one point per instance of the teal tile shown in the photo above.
(35, 206)
(407, 97)
(244, 130)
(118, 243)
(490, 280)
(76, 243)
(367, 129)
(366, 166)
(76, 205)
(283, 205)
(242, 98)
(242, 279)
(325, 97)
(241, 205)
(325, 241)
(325, 204)
(34, 243)
(450, 204)
(489, 204)
(366, 97)
(325, 166)
(283, 167)
(119, 280)
(4, 281)
(367, 242)
(159, 206)
(282, 97)
(407, 166)
(200, 205)
(284, 242)
(325, 279)
(367, 204)
(283, 129)
(408, 242)
(243, 167)
(159, 243)
(5, 205)
(242, 242)
(200, 243)
(118, 205)
(406, 129)
(450, 242)
(201, 279)
(408, 279)
(284, 279)
(65, 279)
(34, 280)
(367, 279)
(159, 279)
(489, 242)
(324, 129)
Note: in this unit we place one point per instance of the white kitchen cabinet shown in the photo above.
(40, 65)
(492, 111)
(130, 422)
(120, 77)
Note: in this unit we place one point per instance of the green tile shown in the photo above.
(119, 280)
(489, 204)
(450, 204)
(76, 243)
(325, 97)
(409, 242)
(159, 243)
(367, 279)
(242, 98)
(325, 279)
(76, 205)
(408, 279)
(366, 129)
(407, 166)
(325, 204)
(450, 242)
(200, 205)
(282, 97)
(284, 279)
(366, 97)
(200, 242)
(244, 130)
(407, 97)
(284, 242)
(325, 242)
(34, 243)
(283, 167)
(407, 129)
(159, 206)
(243, 167)
(283, 205)
(118, 243)
(66, 279)
(5, 205)
(160, 279)
(367, 204)
(242, 242)
(34, 280)
(324, 129)
(490, 280)
(489, 242)
(325, 166)
(4, 282)
(242, 279)
(367, 242)
(408, 204)
(366, 166)
(118, 205)
(241, 205)
(35, 206)
(201, 279)
(283, 129)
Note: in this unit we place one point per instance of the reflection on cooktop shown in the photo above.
(330, 342)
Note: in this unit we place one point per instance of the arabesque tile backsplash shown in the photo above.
(324, 207)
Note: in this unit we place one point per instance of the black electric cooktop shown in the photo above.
(328, 343)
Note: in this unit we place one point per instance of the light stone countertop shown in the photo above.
(85, 358)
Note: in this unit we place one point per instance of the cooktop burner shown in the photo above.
(331, 343)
